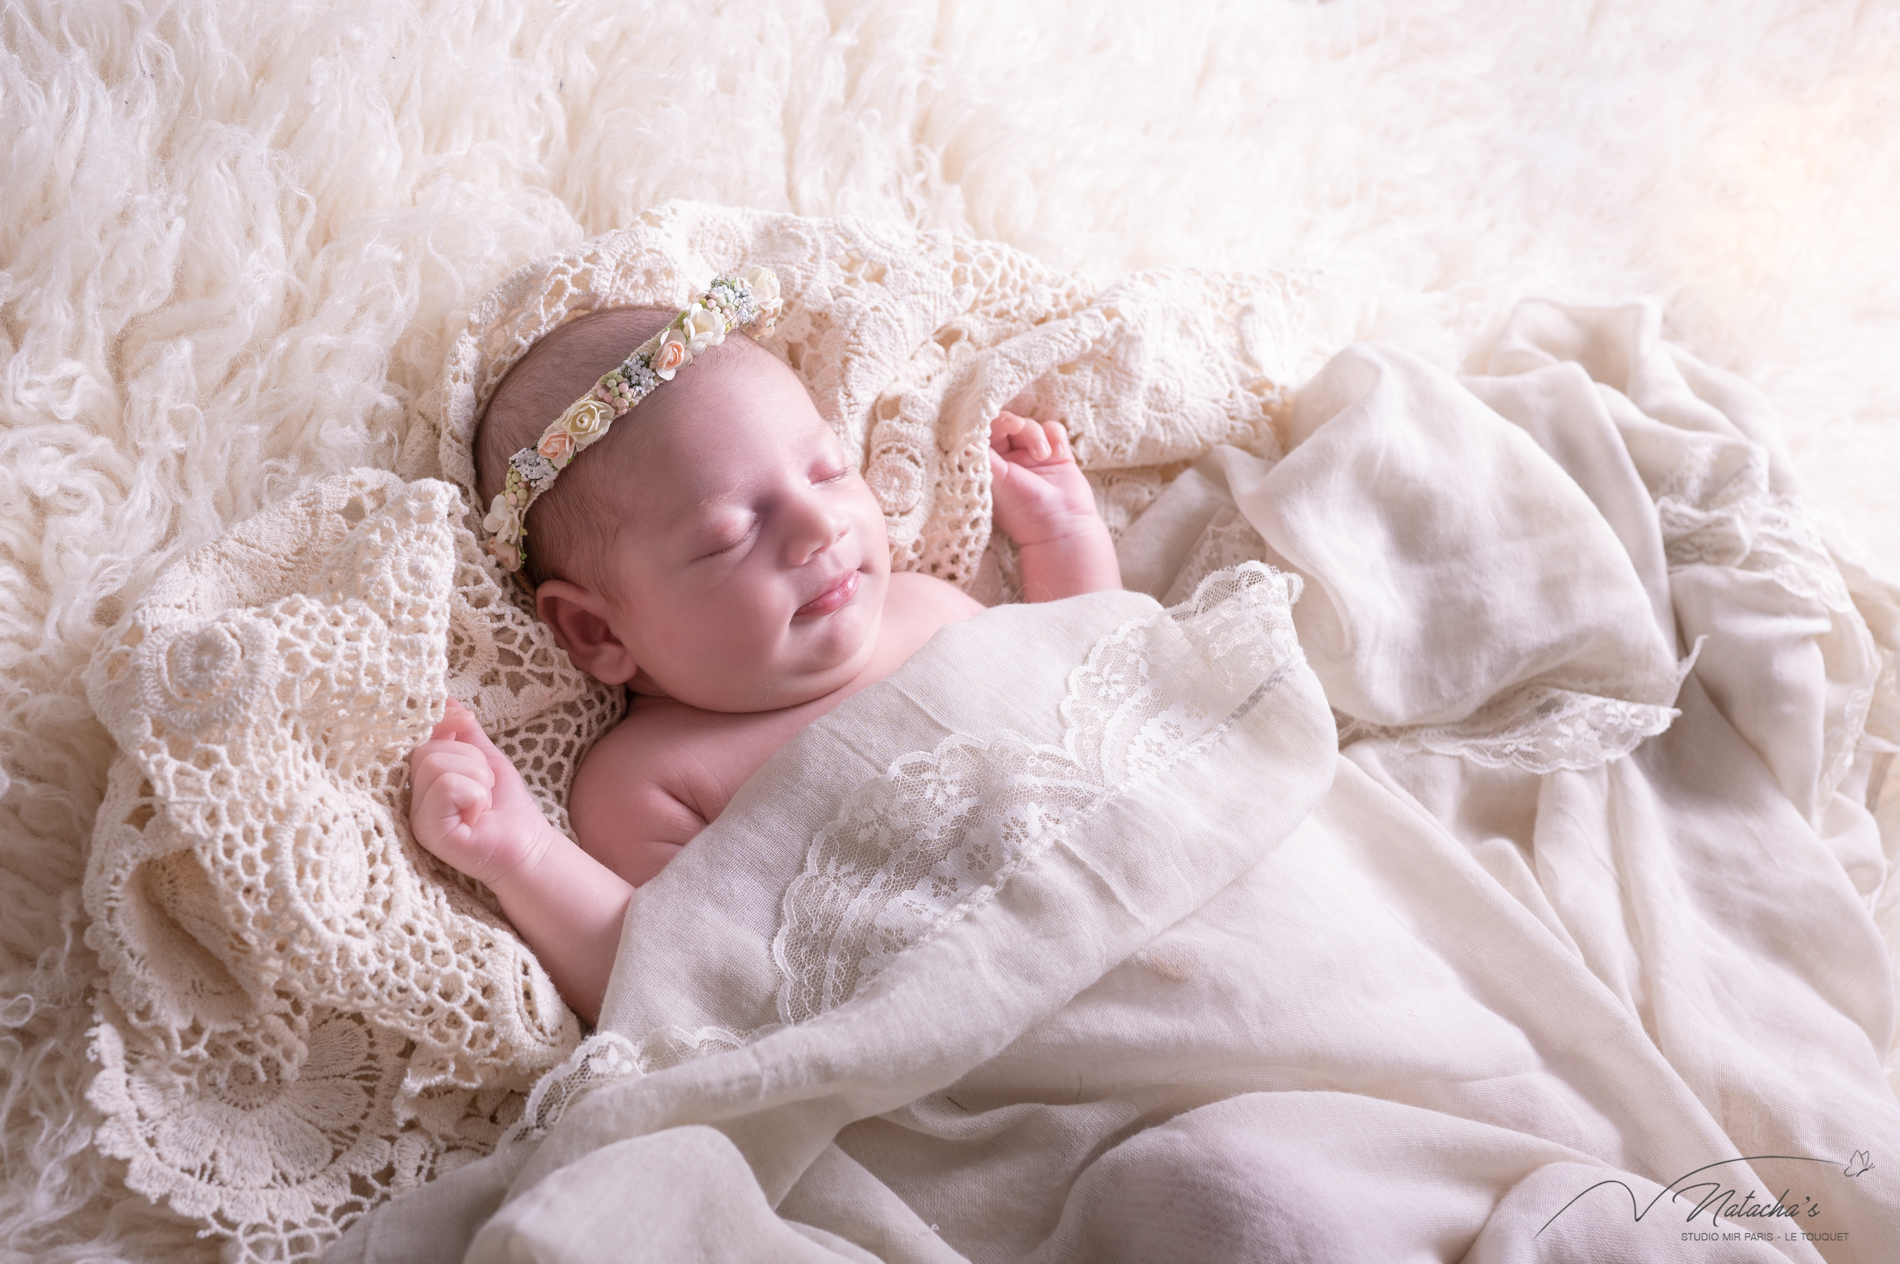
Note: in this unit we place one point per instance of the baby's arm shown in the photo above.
(469, 806)
(1044, 503)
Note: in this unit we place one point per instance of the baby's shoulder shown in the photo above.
(629, 805)
(659, 735)
(916, 608)
(666, 748)
(656, 779)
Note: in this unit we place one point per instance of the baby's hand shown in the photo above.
(1039, 492)
(468, 805)
(1045, 504)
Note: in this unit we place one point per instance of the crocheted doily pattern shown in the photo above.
(304, 1012)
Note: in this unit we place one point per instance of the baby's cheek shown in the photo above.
(699, 637)
(748, 632)
(873, 530)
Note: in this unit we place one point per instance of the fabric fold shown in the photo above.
(1076, 940)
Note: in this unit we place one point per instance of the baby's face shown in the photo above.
(750, 574)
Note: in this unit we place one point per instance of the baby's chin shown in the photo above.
(737, 696)
(820, 669)
(825, 673)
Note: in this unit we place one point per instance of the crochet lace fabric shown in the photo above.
(304, 1013)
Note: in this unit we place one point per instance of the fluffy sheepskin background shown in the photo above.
(233, 240)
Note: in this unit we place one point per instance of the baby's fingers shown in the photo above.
(1055, 440)
(460, 728)
(444, 814)
(434, 761)
(1002, 426)
(457, 795)
(1008, 433)
(500, 767)
(456, 721)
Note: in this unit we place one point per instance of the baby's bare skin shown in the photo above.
(747, 591)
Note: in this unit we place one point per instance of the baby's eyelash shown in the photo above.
(736, 542)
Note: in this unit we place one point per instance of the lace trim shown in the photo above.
(1716, 509)
(608, 1057)
(1881, 730)
(1540, 729)
(935, 837)
(1789, 549)
(1709, 505)
(1228, 540)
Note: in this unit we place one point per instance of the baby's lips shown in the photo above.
(834, 598)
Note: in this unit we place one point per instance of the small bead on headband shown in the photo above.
(745, 302)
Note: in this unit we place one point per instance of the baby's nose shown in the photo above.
(822, 529)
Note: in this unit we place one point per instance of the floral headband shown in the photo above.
(745, 302)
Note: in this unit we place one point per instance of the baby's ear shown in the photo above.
(578, 617)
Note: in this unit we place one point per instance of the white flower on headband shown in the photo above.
(584, 419)
(702, 327)
(503, 523)
(764, 286)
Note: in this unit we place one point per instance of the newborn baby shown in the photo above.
(716, 552)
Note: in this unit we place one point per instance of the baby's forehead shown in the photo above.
(721, 423)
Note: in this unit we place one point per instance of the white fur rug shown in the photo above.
(234, 240)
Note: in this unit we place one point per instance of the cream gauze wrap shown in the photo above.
(304, 1012)
(1081, 940)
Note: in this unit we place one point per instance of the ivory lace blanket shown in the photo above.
(1077, 940)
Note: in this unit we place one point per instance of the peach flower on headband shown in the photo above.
(671, 355)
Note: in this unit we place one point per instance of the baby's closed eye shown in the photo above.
(726, 537)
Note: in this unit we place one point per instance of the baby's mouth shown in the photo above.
(833, 598)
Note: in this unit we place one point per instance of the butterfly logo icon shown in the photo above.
(1859, 1163)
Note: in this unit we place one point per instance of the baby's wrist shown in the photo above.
(543, 843)
(568, 907)
(1080, 561)
(1064, 528)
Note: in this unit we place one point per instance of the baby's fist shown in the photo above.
(468, 805)
(1038, 490)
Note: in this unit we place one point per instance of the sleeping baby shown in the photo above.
(717, 554)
